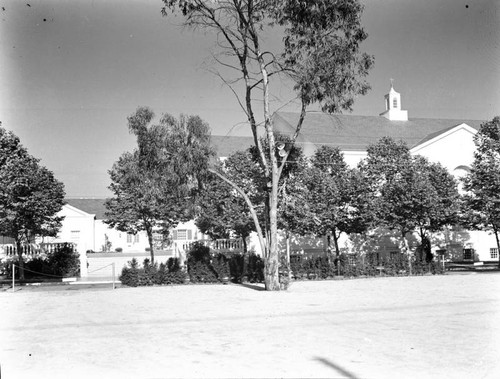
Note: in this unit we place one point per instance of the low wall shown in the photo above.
(99, 264)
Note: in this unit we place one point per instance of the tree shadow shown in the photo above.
(340, 370)
(252, 286)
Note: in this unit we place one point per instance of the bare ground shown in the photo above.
(419, 327)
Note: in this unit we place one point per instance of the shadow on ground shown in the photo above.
(252, 286)
(339, 369)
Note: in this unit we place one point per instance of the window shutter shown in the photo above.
(174, 234)
(190, 234)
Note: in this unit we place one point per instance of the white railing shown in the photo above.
(31, 250)
(217, 246)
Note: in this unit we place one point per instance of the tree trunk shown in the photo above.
(337, 250)
(498, 245)
(289, 271)
(149, 231)
(407, 251)
(19, 248)
(244, 276)
(336, 242)
(329, 245)
(271, 268)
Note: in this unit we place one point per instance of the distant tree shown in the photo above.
(334, 195)
(409, 193)
(482, 185)
(223, 212)
(320, 55)
(154, 186)
(30, 196)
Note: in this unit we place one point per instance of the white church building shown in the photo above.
(447, 141)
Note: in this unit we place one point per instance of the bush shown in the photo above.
(255, 269)
(236, 266)
(201, 272)
(118, 250)
(151, 274)
(130, 274)
(320, 267)
(220, 265)
(64, 261)
(199, 264)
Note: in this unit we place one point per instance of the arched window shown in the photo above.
(460, 172)
(395, 103)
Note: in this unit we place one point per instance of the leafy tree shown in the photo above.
(153, 185)
(320, 54)
(222, 212)
(482, 198)
(335, 192)
(409, 193)
(30, 196)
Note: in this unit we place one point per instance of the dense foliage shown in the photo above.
(153, 184)
(482, 185)
(409, 193)
(337, 197)
(30, 196)
(63, 261)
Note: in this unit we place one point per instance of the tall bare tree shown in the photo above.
(320, 54)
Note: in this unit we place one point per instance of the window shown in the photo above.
(468, 254)
(75, 236)
(494, 252)
(351, 259)
(395, 103)
(136, 238)
(181, 234)
(129, 238)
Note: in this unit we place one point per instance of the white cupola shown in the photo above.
(393, 110)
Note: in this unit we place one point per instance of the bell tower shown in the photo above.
(393, 110)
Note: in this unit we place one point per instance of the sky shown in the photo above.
(71, 71)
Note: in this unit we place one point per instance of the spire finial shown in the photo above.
(392, 82)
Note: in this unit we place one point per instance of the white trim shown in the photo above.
(462, 126)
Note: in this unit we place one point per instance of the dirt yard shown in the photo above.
(419, 327)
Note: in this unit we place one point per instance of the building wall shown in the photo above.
(452, 150)
(126, 241)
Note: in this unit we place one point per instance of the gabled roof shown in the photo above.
(92, 206)
(357, 132)
(443, 132)
(227, 145)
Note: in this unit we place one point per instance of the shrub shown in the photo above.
(220, 265)
(255, 269)
(173, 264)
(201, 272)
(199, 265)
(118, 249)
(130, 274)
(64, 261)
(236, 265)
(151, 274)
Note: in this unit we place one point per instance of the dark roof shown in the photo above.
(227, 145)
(92, 206)
(357, 132)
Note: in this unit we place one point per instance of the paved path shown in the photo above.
(420, 327)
